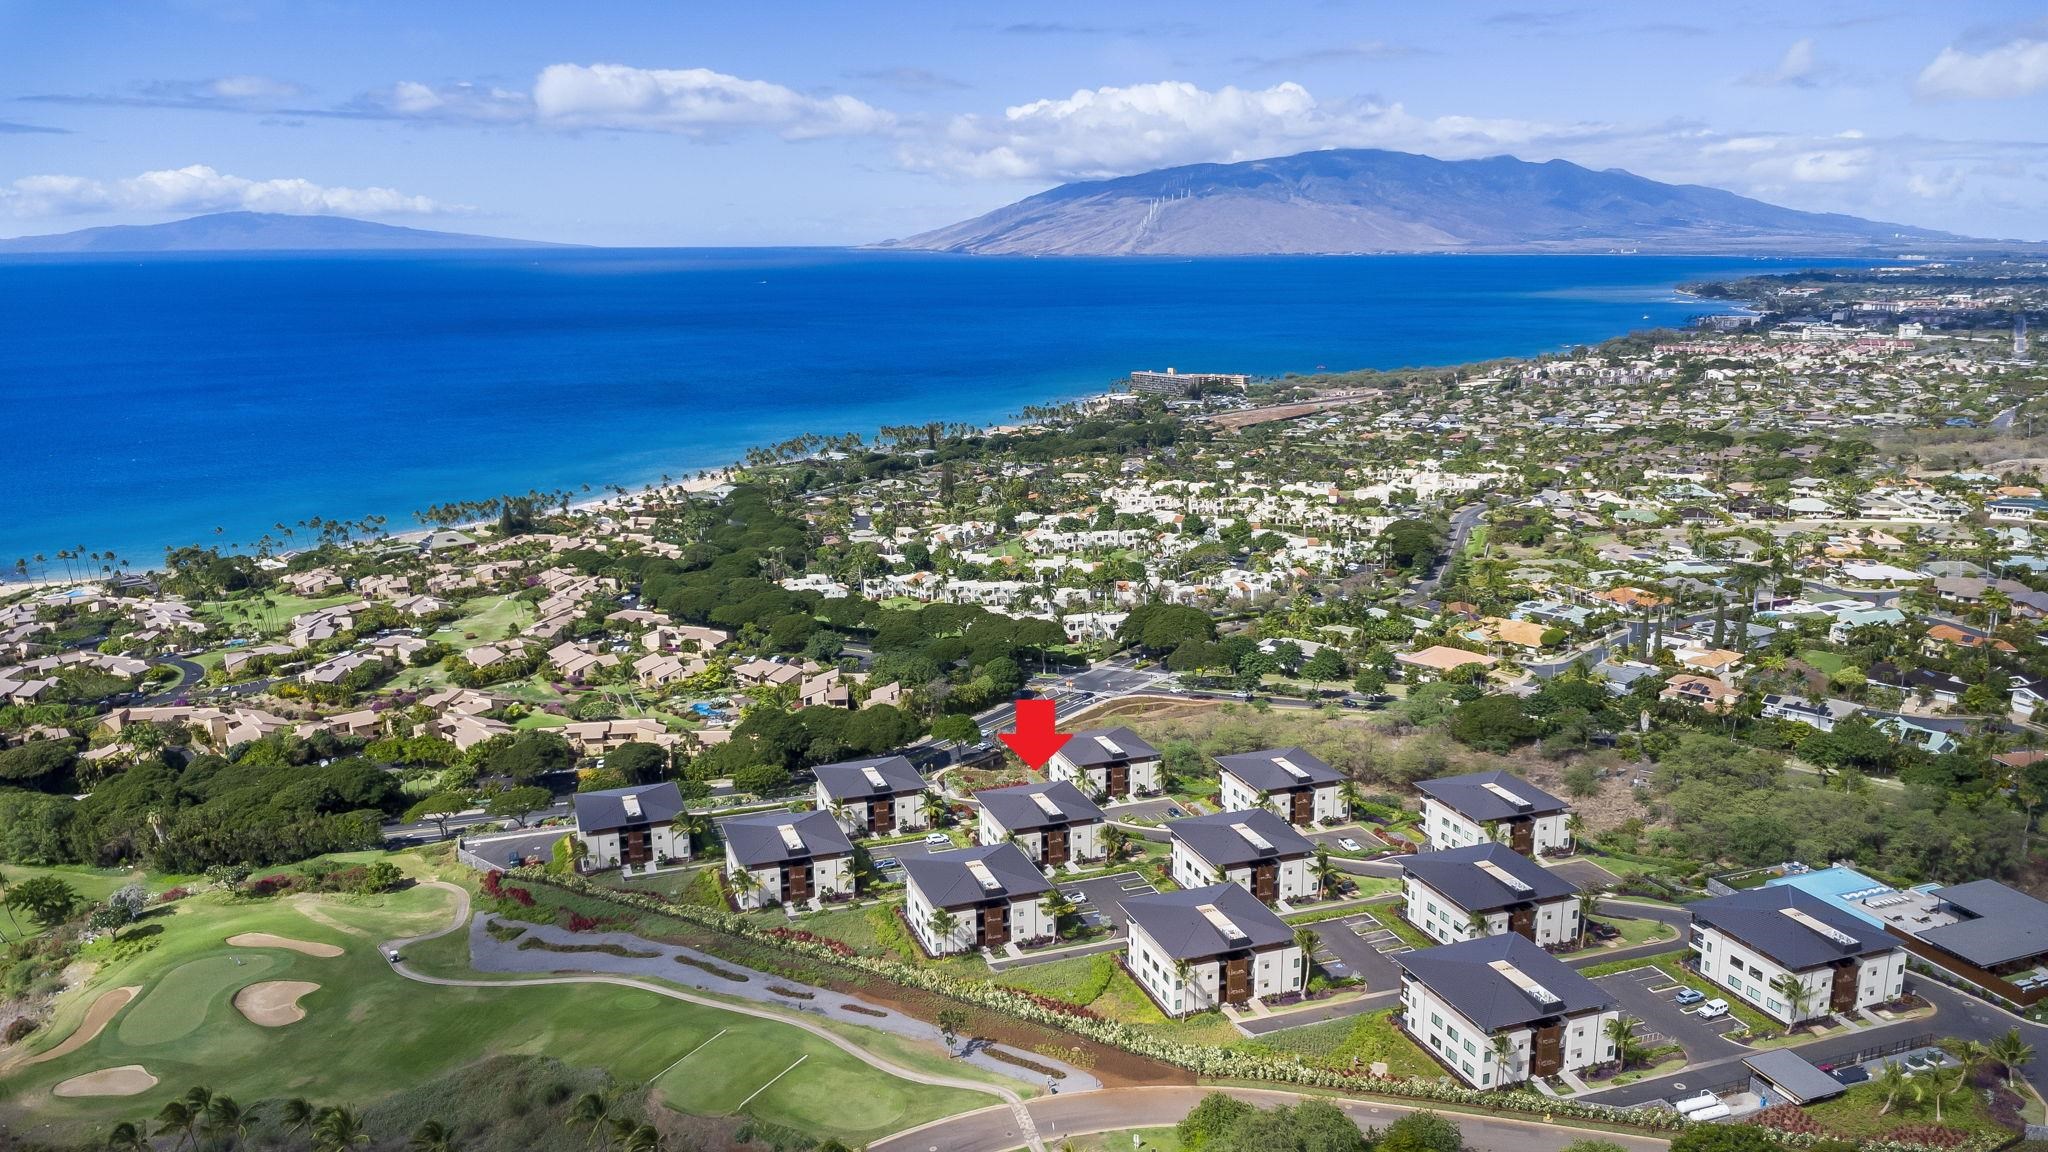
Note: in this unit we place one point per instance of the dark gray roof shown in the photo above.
(947, 882)
(2008, 925)
(1174, 919)
(1261, 771)
(606, 810)
(1795, 1075)
(757, 842)
(1087, 750)
(1456, 873)
(848, 780)
(1460, 975)
(1015, 810)
(1217, 840)
(1469, 797)
(1757, 918)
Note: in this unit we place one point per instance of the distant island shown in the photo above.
(260, 232)
(1373, 201)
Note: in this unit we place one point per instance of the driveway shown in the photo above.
(500, 849)
(1364, 947)
(1103, 894)
(1583, 872)
(1663, 1021)
(1161, 808)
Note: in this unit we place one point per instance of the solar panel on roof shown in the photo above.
(1220, 922)
(1501, 874)
(1528, 986)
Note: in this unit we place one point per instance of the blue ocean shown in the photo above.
(171, 400)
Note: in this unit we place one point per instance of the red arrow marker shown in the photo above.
(1034, 740)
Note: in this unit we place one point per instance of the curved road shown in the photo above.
(1116, 1109)
(1016, 1119)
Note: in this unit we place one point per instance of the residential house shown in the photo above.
(1485, 890)
(1437, 660)
(877, 797)
(1254, 849)
(1489, 807)
(1700, 691)
(1112, 762)
(973, 898)
(1499, 1010)
(1052, 822)
(1200, 948)
(787, 858)
(1821, 714)
(1795, 956)
(1290, 781)
(630, 826)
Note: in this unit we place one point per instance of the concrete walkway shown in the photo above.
(1021, 1117)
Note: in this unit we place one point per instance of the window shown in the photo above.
(1436, 1020)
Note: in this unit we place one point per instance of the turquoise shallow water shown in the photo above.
(152, 400)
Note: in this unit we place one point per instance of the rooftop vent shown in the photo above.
(984, 877)
(874, 776)
(1290, 767)
(1520, 805)
(1110, 746)
(1220, 922)
(1046, 805)
(1812, 925)
(632, 806)
(1504, 876)
(1529, 988)
(1263, 846)
(790, 839)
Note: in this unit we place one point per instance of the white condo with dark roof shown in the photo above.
(1795, 956)
(877, 797)
(1448, 894)
(1051, 822)
(1111, 763)
(1198, 948)
(787, 858)
(1300, 788)
(1499, 1010)
(1255, 850)
(972, 898)
(1494, 807)
(631, 826)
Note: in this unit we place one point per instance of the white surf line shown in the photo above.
(687, 1055)
(771, 1081)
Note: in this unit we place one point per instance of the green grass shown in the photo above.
(269, 619)
(1589, 971)
(93, 884)
(1355, 1042)
(369, 1032)
(1827, 662)
(489, 617)
(1079, 980)
(1854, 1113)
(1148, 1140)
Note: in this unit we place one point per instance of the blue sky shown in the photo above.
(765, 123)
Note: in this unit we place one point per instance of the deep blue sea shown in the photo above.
(150, 401)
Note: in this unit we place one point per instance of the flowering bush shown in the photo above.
(172, 895)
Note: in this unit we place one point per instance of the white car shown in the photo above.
(1347, 844)
(393, 956)
(937, 840)
(1712, 1009)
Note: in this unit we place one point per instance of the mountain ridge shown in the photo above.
(259, 232)
(1339, 201)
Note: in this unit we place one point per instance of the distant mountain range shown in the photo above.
(258, 232)
(1367, 200)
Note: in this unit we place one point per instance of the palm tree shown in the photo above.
(2012, 1053)
(338, 1130)
(1627, 1048)
(1503, 1054)
(1798, 996)
(1893, 1081)
(129, 1137)
(1349, 795)
(593, 1109)
(1941, 1083)
(1476, 926)
(225, 1118)
(941, 922)
(1114, 840)
(1181, 969)
(1305, 939)
(296, 1114)
(1058, 906)
(177, 1116)
(645, 1138)
(934, 807)
(1589, 902)
(432, 1136)
(1971, 1056)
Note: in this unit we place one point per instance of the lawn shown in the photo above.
(1355, 1042)
(486, 618)
(369, 1032)
(1827, 662)
(1125, 1140)
(1854, 1113)
(273, 617)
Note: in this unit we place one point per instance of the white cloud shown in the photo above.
(1799, 68)
(199, 188)
(464, 102)
(1102, 132)
(692, 101)
(2015, 68)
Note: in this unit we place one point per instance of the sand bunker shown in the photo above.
(127, 1080)
(273, 1003)
(266, 940)
(96, 1019)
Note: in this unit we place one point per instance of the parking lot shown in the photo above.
(1361, 946)
(1649, 995)
(889, 858)
(1159, 809)
(1097, 898)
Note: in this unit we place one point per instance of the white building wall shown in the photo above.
(1327, 808)
(602, 850)
(1296, 879)
(1144, 776)
(853, 819)
(1468, 1051)
(833, 876)
(1749, 975)
(1084, 841)
(1447, 828)
(1274, 973)
(1443, 920)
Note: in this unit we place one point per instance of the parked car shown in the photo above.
(1688, 996)
(937, 840)
(1349, 702)
(1713, 1009)
(1348, 844)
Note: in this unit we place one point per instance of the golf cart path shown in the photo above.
(1020, 1115)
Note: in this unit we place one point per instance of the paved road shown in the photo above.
(190, 675)
(1115, 1109)
(1463, 521)
(1023, 1131)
